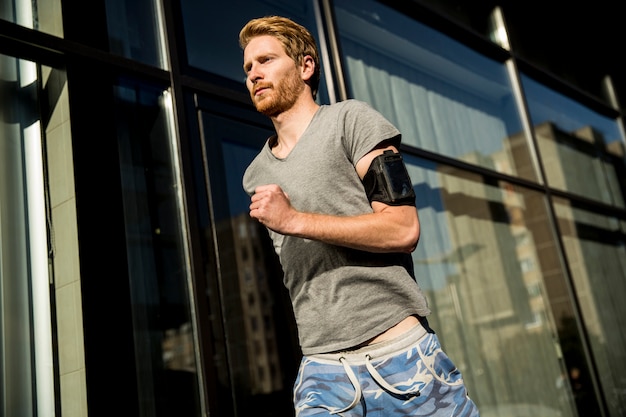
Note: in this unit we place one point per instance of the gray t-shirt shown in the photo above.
(341, 297)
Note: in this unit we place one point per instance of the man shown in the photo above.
(331, 188)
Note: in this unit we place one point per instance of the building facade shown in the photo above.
(133, 282)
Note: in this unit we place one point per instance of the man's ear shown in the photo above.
(307, 68)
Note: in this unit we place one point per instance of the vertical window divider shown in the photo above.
(329, 49)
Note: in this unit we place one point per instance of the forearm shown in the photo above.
(393, 230)
(386, 229)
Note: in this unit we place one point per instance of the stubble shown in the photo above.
(280, 97)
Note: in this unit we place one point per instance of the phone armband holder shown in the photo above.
(388, 181)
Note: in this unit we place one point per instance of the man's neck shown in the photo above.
(291, 124)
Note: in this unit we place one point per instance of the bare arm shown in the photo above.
(386, 229)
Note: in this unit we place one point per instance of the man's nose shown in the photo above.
(254, 75)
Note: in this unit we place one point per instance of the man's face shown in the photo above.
(272, 77)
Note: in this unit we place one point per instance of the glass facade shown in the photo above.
(135, 31)
(25, 318)
(594, 246)
(40, 15)
(582, 151)
(257, 312)
(158, 272)
(443, 96)
(128, 258)
(483, 260)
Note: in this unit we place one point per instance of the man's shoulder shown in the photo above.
(347, 107)
(349, 103)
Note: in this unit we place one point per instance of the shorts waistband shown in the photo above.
(379, 350)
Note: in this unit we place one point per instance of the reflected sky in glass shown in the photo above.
(546, 105)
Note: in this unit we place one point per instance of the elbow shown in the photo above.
(402, 232)
(411, 239)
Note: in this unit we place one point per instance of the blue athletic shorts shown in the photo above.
(406, 376)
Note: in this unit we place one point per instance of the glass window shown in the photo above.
(135, 30)
(491, 271)
(27, 354)
(595, 245)
(442, 96)
(215, 47)
(41, 15)
(262, 351)
(582, 151)
(165, 360)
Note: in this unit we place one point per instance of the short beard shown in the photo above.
(281, 98)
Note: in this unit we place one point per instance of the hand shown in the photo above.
(271, 206)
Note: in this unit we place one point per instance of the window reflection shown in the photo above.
(582, 152)
(486, 259)
(134, 29)
(442, 96)
(41, 15)
(595, 245)
(161, 313)
(261, 341)
(26, 331)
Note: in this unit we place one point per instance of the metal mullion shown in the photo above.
(329, 48)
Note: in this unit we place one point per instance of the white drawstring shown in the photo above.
(411, 391)
(377, 377)
(355, 383)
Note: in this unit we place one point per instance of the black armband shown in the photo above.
(387, 181)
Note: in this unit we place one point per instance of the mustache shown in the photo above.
(260, 86)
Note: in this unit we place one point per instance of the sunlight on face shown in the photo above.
(273, 79)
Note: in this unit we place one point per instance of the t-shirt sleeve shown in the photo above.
(364, 128)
